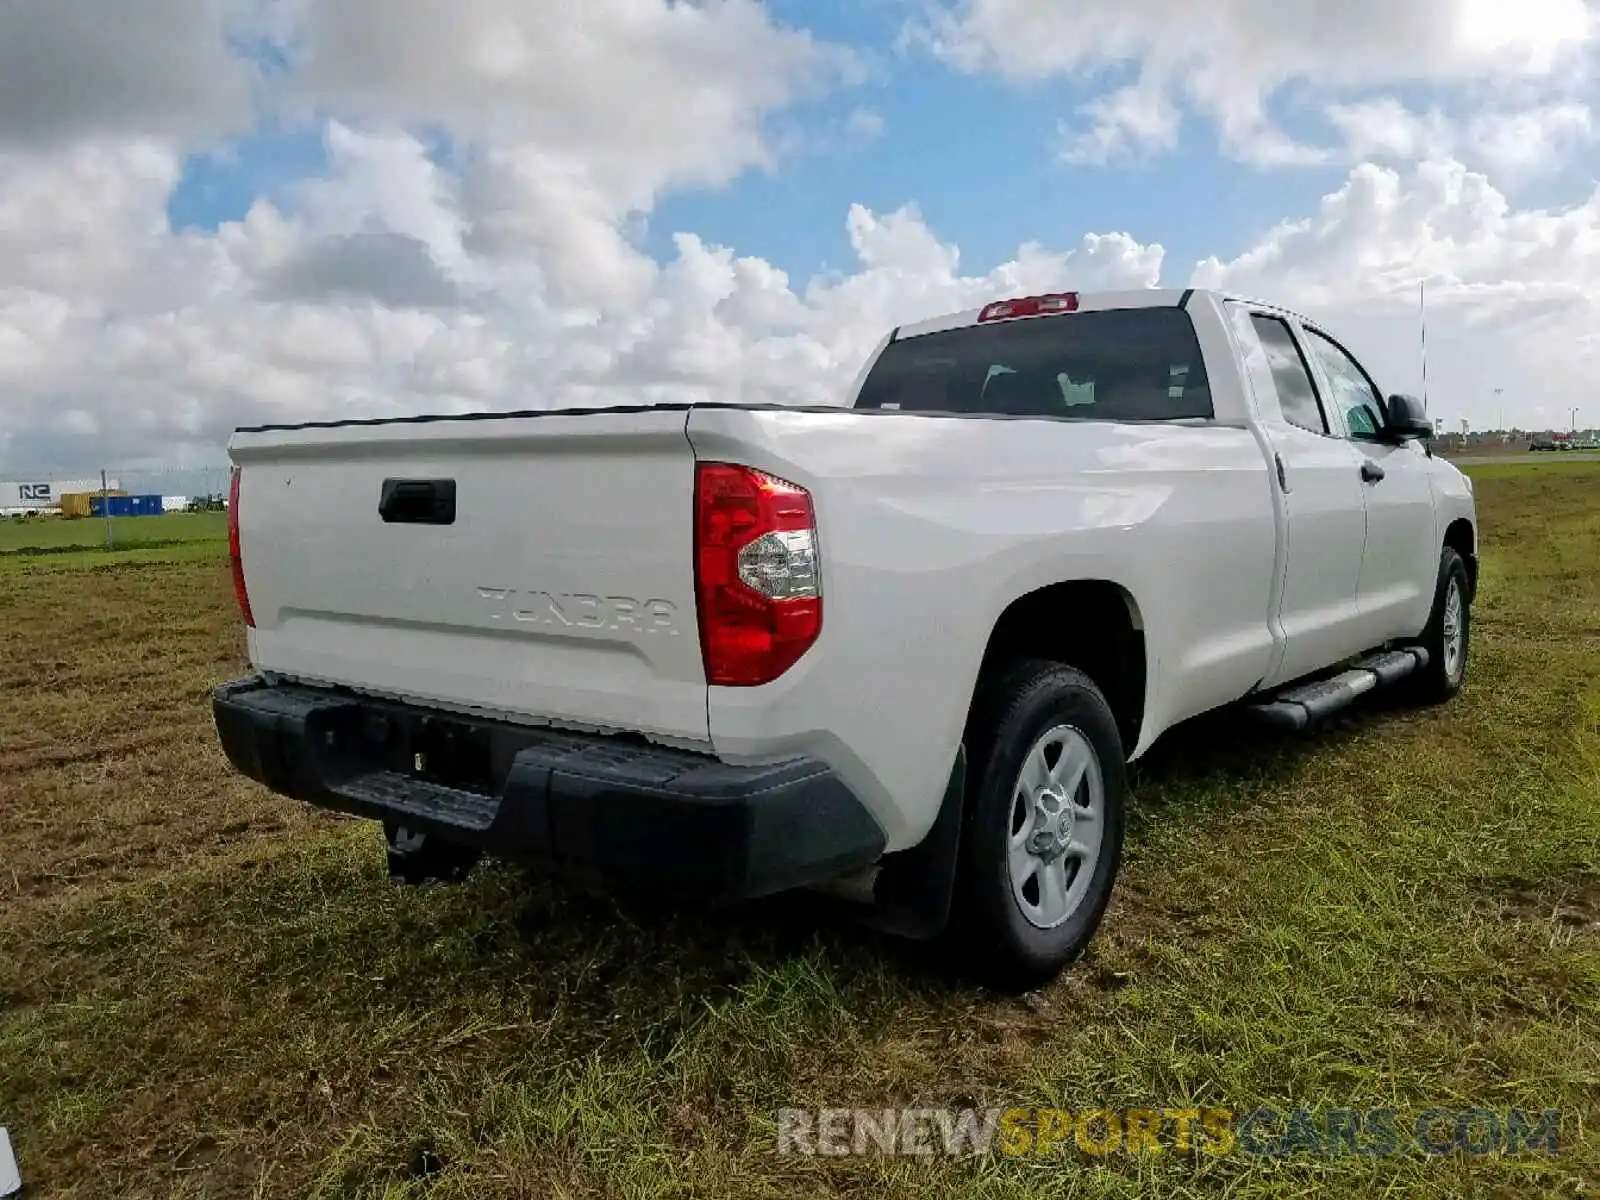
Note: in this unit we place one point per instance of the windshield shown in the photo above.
(1130, 364)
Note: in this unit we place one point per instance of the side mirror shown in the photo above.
(1407, 418)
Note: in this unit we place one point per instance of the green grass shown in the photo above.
(208, 991)
(1558, 465)
(84, 540)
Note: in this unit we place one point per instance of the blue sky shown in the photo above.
(979, 167)
(475, 205)
(978, 154)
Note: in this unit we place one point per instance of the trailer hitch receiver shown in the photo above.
(415, 857)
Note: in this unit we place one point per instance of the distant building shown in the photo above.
(43, 495)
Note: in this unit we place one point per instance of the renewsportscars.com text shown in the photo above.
(1259, 1132)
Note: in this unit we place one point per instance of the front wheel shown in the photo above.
(1042, 841)
(1447, 637)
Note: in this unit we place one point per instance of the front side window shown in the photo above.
(1353, 393)
(1130, 364)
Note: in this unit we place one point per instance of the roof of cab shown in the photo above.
(1087, 302)
(1093, 302)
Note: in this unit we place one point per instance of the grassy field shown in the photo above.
(37, 536)
(208, 991)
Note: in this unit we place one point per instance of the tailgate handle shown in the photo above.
(418, 502)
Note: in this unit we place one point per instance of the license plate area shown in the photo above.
(362, 736)
(449, 753)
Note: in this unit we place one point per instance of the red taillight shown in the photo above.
(1030, 306)
(757, 579)
(236, 561)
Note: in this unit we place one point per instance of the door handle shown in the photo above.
(418, 502)
(1371, 472)
(1283, 476)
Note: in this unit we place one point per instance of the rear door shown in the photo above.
(1318, 479)
(1400, 566)
(535, 567)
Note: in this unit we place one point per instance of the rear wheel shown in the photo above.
(1447, 637)
(1042, 841)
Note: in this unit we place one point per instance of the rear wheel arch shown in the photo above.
(1095, 625)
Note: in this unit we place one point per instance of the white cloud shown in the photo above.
(73, 70)
(1513, 296)
(375, 264)
(1532, 140)
(1515, 143)
(505, 272)
(386, 177)
(146, 344)
(1359, 42)
(74, 221)
(297, 317)
(1129, 122)
(1385, 128)
(571, 118)
(864, 125)
(1228, 59)
(638, 94)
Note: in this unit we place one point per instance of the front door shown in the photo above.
(1400, 567)
(1323, 523)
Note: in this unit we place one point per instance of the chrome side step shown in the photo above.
(1304, 704)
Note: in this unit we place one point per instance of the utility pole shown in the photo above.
(105, 506)
(1422, 310)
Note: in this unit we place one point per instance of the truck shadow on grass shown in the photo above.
(1225, 759)
(1204, 770)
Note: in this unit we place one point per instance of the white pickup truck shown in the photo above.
(901, 649)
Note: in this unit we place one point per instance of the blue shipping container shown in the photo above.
(125, 506)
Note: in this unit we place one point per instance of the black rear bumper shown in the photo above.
(605, 810)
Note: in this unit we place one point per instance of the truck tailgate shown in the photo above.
(559, 587)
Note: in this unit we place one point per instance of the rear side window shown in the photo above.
(1131, 364)
(1296, 395)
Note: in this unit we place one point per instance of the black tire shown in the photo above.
(1443, 676)
(999, 945)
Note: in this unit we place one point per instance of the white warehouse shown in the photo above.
(43, 495)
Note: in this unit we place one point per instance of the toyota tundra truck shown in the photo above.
(900, 649)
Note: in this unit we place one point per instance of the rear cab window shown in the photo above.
(1128, 364)
(1287, 376)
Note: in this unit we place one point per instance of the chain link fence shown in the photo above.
(108, 508)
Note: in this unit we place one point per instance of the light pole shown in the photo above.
(1574, 420)
(1500, 409)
